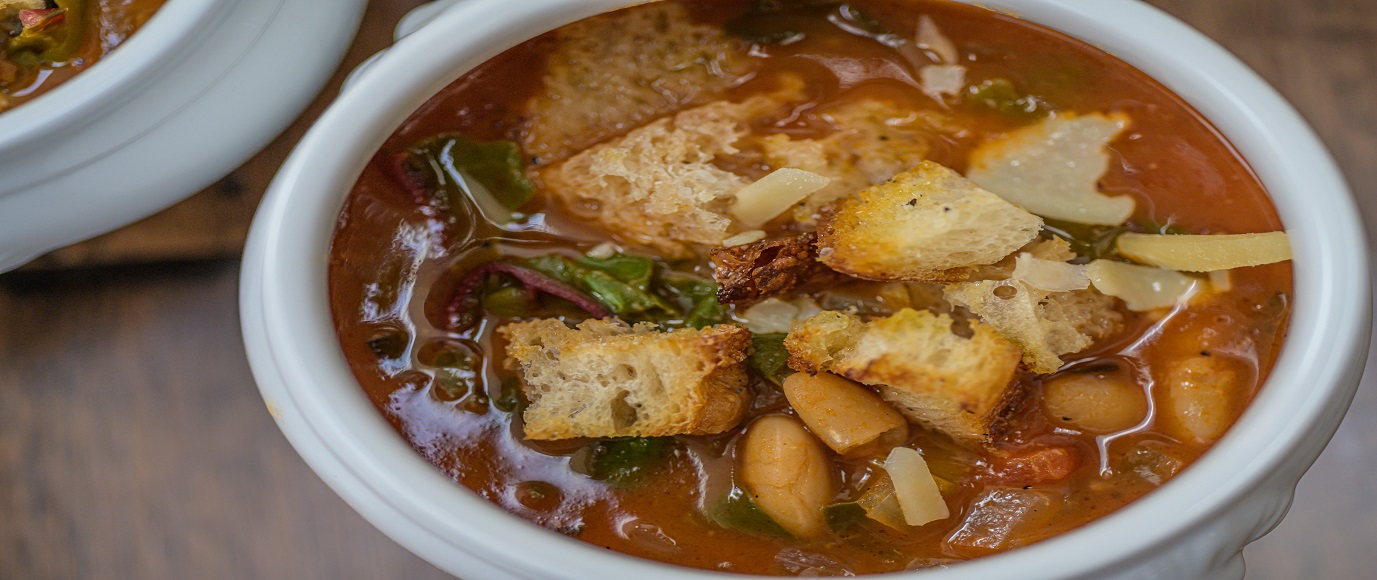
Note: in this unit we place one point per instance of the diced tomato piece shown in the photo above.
(1037, 466)
(32, 19)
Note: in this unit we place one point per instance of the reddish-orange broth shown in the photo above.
(394, 262)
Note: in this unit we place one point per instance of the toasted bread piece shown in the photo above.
(954, 385)
(1046, 324)
(657, 186)
(752, 272)
(607, 379)
(617, 71)
(927, 224)
(874, 140)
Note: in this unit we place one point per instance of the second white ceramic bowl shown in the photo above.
(193, 94)
(1194, 527)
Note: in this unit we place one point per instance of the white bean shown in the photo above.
(1093, 402)
(1200, 398)
(787, 474)
(848, 417)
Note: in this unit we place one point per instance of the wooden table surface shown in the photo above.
(133, 443)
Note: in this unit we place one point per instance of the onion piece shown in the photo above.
(1050, 275)
(930, 37)
(1204, 253)
(1053, 168)
(1221, 281)
(942, 79)
(770, 315)
(1141, 287)
(602, 251)
(743, 238)
(915, 487)
(761, 201)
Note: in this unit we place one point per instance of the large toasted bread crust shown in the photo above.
(948, 383)
(608, 379)
(927, 224)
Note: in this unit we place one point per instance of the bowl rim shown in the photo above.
(302, 373)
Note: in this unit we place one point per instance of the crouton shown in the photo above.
(1046, 324)
(1054, 248)
(874, 140)
(657, 186)
(927, 224)
(617, 71)
(751, 272)
(962, 387)
(607, 379)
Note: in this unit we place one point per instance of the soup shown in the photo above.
(45, 42)
(811, 287)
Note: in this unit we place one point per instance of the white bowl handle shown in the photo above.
(414, 20)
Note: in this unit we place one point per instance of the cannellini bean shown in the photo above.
(848, 417)
(1199, 398)
(787, 473)
(1093, 402)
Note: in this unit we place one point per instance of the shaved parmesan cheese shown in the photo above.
(1220, 281)
(1053, 168)
(1049, 275)
(930, 37)
(1191, 253)
(1141, 287)
(761, 201)
(602, 251)
(942, 79)
(743, 238)
(915, 487)
(770, 315)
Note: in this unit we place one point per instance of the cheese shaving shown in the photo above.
(761, 201)
(1142, 287)
(1053, 168)
(1204, 253)
(1050, 275)
(915, 488)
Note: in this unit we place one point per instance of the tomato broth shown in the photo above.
(396, 261)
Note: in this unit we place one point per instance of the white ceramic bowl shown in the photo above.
(1193, 527)
(193, 94)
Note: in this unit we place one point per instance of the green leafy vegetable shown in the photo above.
(452, 162)
(510, 400)
(698, 297)
(638, 288)
(454, 368)
(770, 356)
(1087, 241)
(634, 270)
(509, 301)
(55, 37)
(843, 517)
(1000, 96)
(738, 512)
(619, 284)
(627, 461)
(454, 382)
(1093, 242)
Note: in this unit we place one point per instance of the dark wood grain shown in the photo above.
(133, 443)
